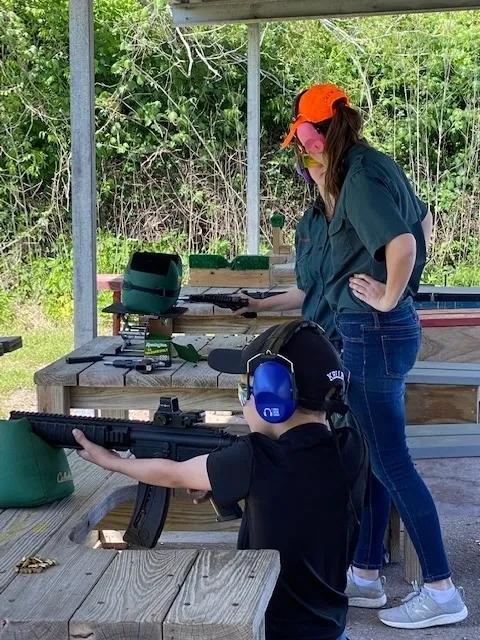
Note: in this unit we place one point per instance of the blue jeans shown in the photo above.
(379, 351)
(343, 636)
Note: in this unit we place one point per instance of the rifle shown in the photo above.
(172, 434)
(233, 302)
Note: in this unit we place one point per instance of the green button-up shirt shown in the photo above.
(313, 267)
(376, 204)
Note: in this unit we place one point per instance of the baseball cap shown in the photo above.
(315, 105)
(316, 363)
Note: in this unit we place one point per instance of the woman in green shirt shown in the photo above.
(377, 240)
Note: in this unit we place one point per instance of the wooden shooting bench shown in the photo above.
(172, 591)
(448, 334)
(437, 392)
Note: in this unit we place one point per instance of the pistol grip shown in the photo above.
(149, 514)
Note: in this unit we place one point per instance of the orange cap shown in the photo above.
(315, 105)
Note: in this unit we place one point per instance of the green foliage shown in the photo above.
(171, 118)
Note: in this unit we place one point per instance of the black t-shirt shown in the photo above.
(297, 501)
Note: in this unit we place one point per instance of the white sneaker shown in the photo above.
(420, 611)
(371, 597)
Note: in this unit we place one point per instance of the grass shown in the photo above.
(41, 345)
(44, 341)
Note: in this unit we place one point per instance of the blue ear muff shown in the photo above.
(274, 392)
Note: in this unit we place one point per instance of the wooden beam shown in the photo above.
(253, 140)
(84, 212)
(231, 11)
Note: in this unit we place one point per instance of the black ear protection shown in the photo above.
(274, 389)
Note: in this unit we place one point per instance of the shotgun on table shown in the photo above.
(172, 434)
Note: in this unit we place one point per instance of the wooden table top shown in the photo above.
(180, 374)
(97, 592)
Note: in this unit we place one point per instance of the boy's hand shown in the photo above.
(199, 496)
(95, 453)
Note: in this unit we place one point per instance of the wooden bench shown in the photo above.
(443, 392)
(448, 334)
(434, 447)
(93, 592)
(436, 392)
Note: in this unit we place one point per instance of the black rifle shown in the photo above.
(172, 434)
(232, 302)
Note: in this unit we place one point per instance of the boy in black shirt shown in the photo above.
(303, 482)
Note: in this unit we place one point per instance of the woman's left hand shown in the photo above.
(371, 291)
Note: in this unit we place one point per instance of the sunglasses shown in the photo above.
(243, 393)
(309, 162)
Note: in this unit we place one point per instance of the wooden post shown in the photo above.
(82, 114)
(413, 570)
(253, 143)
(277, 240)
(53, 399)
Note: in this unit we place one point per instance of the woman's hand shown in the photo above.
(371, 291)
(95, 453)
(254, 305)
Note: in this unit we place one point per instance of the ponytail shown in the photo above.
(342, 132)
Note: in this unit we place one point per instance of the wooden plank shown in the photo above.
(452, 377)
(109, 281)
(448, 366)
(114, 609)
(100, 374)
(201, 374)
(228, 381)
(199, 540)
(119, 414)
(112, 539)
(451, 344)
(148, 398)
(63, 374)
(183, 515)
(192, 291)
(283, 273)
(229, 278)
(419, 430)
(395, 529)
(53, 399)
(10, 343)
(224, 596)
(24, 531)
(163, 377)
(42, 607)
(444, 319)
(413, 570)
(195, 309)
(448, 446)
(221, 323)
(436, 404)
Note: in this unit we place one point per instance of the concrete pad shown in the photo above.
(461, 536)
